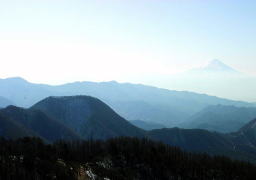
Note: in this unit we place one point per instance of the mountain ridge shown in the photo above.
(131, 101)
(104, 123)
(221, 118)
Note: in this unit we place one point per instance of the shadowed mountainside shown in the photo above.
(90, 118)
(26, 122)
(87, 116)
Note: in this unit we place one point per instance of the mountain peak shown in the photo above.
(217, 65)
(216, 62)
(87, 116)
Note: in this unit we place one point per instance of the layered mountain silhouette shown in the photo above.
(147, 125)
(221, 118)
(5, 102)
(74, 117)
(131, 101)
(85, 117)
(239, 145)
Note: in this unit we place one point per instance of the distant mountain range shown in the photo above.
(131, 101)
(221, 118)
(84, 117)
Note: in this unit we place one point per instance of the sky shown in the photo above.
(59, 41)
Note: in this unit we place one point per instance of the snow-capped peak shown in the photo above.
(216, 65)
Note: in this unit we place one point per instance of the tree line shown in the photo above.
(118, 158)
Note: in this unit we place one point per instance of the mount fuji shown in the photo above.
(215, 78)
(215, 66)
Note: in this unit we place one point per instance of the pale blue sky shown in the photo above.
(56, 41)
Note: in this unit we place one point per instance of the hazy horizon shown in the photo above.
(147, 42)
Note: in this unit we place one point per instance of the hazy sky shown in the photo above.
(57, 41)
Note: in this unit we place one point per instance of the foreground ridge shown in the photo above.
(118, 158)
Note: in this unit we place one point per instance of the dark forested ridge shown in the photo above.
(19, 122)
(119, 158)
(85, 117)
(13, 130)
(234, 145)
(89, 117)
(72, 117)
